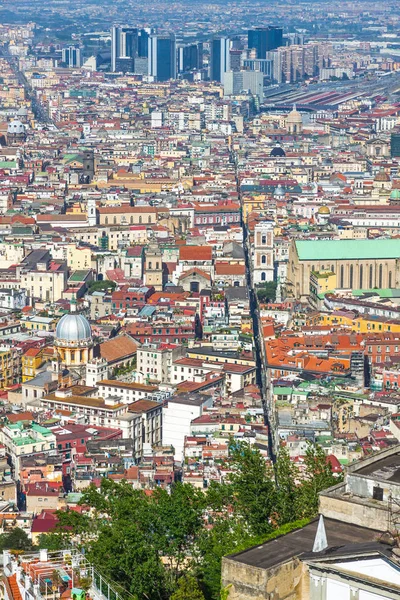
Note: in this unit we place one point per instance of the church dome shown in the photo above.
(294, 116)
(382, 176)
(279, 192)
(22, 112)
(277, 151)
(324, 210)
(73, 328)
(15, 127)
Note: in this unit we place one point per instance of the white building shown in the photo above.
(154, 361)
(263, 257)
(178, 414)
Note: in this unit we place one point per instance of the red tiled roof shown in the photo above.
(198, 253)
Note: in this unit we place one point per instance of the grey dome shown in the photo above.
(22, 112)
(73, 328)
(16, 127)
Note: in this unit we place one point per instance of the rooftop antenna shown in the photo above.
(320, 541)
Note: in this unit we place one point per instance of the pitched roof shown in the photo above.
(223, 268)
(195, 253)
(117, 348)
(193, 271)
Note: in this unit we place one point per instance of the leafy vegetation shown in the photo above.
(102, 286)
(267, 293)
(168, 545)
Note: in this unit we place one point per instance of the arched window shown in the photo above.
(106, 221)
(332, 268)
(150, 265)
(263, 259)
(263, 276)
(342, 276)
(370, 277)
(380, 276)
(361, 277)
(131, 219)
(390, 279)
(149, 219)
(312, 268)
(115, 220)
(351, 277)
(264, 239)
(140, 218)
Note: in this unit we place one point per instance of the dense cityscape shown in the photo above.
(199, 300)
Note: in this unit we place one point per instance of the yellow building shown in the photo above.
(79, 257)
(37, 323)
(361, 323)
(31, 361)
(321, 282)
(10, 367)
(253, 204)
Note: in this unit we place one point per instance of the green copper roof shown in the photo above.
(347, 249)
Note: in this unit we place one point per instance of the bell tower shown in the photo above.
(153, 268)
(263, 265)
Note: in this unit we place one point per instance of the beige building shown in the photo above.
(42, 277)
(128, 215)
(357, 264)
(153, 268)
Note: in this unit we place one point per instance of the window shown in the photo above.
(264, 239)
(263, 259)
(370, 277)
(377, 493)
(140, 219)
(342, 276)
(390, 279)
(263, 276)
(351, 277)
(380, 276)
(361, 277)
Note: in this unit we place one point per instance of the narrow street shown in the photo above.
(262, 371)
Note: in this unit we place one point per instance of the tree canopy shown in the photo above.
(168, 544)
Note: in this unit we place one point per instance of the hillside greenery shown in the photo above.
(168, 545)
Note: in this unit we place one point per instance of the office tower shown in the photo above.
(395, 144)
(236, 82)
(115, 46)
(219, 61)
(274, 38)
(141, 65)
(235, 59)
(162, 57)
(72, 56)
(190, 57)
(264, 39)
(259, 64)
(143, 42)
(124, 45)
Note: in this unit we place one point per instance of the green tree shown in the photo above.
(54, 541)
(17, 539)
(267, 293)
(253, 487)
(318, 476)
(187, 589)
(287, 477)
(226, 534)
